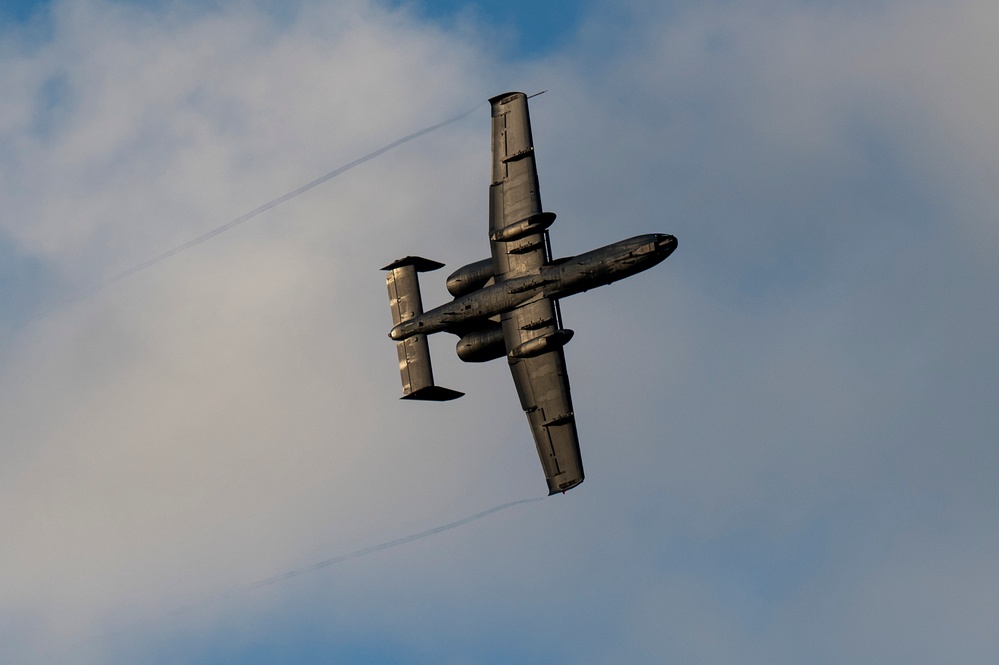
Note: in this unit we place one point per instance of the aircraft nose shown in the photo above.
(666, 243)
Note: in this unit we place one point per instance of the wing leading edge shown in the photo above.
(518, 239)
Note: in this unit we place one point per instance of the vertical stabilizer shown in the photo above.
(414, 352)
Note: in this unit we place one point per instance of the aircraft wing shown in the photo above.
(514, 197)
(518, 242)
(543, 386)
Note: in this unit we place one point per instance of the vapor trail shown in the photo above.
(275, 579)
(148, 263)
(279, 200)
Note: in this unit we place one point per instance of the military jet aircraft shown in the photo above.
(507, 305)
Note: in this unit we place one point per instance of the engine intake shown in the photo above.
(470, 278)
(483, 345)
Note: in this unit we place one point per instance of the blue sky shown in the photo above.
(527, 29)
(20, 10)
(788, 427)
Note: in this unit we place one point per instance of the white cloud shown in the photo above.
(788, 410)
(197, 426)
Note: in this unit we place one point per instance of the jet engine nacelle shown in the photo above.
(482, 345)
(470, 278)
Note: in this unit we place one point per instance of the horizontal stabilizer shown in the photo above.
(414, 352)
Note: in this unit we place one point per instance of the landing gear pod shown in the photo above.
(535, 347)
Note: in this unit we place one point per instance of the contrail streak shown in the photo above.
(274, 579)
(148, 263)
(279, 200)
(325, 563)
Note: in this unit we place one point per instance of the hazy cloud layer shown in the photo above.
(789, 427)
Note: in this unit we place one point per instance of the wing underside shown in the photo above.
(514, 196)
(543, 386)
(519, 244)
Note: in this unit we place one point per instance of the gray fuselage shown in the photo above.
(559, 279)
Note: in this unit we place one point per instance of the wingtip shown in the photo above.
(561, 488)
(502, 98)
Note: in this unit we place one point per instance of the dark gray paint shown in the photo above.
(508, 305)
